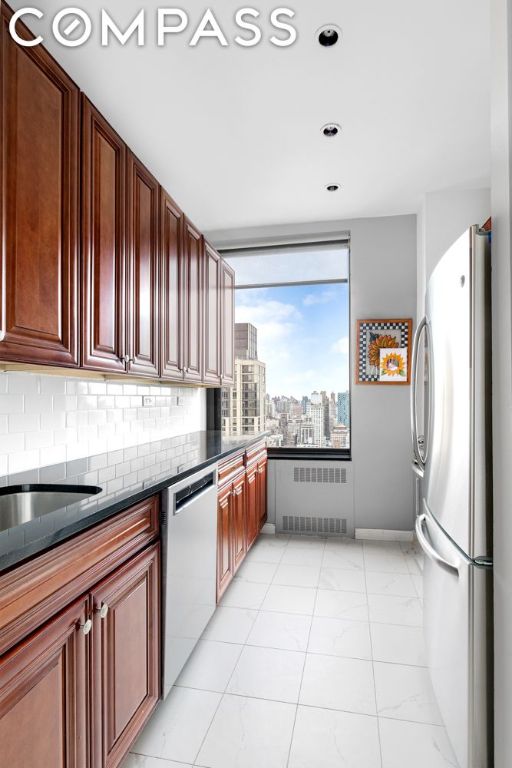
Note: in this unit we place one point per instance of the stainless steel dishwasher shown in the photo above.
(189, 562)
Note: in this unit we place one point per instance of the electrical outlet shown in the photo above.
(148, 400)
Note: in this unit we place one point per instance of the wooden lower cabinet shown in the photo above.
(239, 522)
(241, 512)
(76, 692)
(224, 545)
(253, 512)
(262, 490)
(43, 696)
(124, 656)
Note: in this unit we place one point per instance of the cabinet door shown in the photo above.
(238, 533)
(43, 697)
(212, 332)
(193, 293)
(171, 288)
(124, 656)
(262, 491)
(253, 515)
(143, 314)
(228, 323)
(103, 244)
(39, 206)
(224, 542)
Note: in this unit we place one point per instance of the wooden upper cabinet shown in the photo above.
(212, 334)
(43, 696)
(171, 288)
(39, 206)
(142, 262)
(103, 243)
(227, 333)
(125, 656)
(193, 307)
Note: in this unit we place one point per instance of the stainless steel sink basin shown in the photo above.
(21, 503)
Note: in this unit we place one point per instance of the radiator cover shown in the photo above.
(314, 498)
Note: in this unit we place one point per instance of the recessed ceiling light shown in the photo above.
(328, 35)
(331, 129)
(332, 187)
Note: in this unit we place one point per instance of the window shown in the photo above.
(292, 347)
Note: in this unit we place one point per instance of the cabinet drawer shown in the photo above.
(230, 468)
(36, 591)
(256, 454)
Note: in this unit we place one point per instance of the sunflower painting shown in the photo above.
(393, 364)
(382, 351)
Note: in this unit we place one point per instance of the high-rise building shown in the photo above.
(306, 405)
(343, 408)
(340, 436)
(243, 405)
(246, 341)
(318, 422)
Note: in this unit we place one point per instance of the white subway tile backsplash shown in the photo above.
(23, 422)
(11, 403)
(38, 403)
(22, 383)
(52, 385)
(46, 419)
(19, 462)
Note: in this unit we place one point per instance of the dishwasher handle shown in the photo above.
(193, 492)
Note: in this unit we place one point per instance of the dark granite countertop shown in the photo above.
(126, 476)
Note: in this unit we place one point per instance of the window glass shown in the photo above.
(296, 337)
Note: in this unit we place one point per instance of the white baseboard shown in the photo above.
(377, 534)
(269, 528)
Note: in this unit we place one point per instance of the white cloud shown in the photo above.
(318, 298)
(274, 320)
(341, 347)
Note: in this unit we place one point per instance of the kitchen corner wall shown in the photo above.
(46, 419)
(444, 216)
(383, 284)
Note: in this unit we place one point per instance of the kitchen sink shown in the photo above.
(21, 503)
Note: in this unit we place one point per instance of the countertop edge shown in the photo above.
(9, 561)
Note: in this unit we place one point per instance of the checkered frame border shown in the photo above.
(383, 326)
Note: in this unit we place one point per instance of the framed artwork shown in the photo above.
(383, 351)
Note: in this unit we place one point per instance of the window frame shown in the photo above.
(214, 419)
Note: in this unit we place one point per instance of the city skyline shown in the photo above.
(303, 336)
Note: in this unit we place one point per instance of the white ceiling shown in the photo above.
(234, 133)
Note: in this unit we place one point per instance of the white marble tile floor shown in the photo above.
(314, 659)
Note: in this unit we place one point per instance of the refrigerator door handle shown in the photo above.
(429, 549)
(420, 459)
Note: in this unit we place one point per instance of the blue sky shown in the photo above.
(302, 336)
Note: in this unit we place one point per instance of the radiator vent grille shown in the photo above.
(319, 475)
(325, 525)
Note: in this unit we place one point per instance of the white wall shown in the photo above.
(443, 217)
(383, 284)
(501, 103)
(46, 419)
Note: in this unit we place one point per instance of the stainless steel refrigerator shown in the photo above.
(451, 430)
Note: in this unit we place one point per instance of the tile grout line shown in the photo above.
(373, 663)
(223, 694)
(305, 660)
